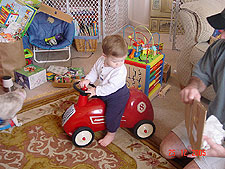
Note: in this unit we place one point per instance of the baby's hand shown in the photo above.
(92, 91)
(84, 82)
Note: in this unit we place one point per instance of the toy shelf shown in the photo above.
(145, 75)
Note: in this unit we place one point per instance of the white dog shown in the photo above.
(10, 104)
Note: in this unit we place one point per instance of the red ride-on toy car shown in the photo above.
(87, 116)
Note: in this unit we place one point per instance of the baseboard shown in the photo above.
(135, 24)
(47, 99)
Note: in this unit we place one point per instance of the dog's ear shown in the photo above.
(21, 92)
(24, 93)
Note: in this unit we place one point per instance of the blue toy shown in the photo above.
(6, 124)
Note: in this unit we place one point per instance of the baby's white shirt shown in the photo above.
(110, 79)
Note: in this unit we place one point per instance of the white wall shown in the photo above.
(139, 12)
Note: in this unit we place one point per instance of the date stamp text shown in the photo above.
(185, 152)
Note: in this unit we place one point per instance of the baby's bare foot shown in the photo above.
(109, 137)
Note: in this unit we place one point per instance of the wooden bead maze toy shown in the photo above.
(144, 62)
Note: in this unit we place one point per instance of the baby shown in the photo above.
(10, 104)
(111, 72)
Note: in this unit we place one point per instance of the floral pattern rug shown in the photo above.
(41, 143)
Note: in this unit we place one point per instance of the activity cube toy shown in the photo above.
(144, 63)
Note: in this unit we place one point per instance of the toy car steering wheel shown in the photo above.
(82, 92)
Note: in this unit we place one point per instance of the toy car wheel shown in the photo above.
(144, 129)
(82, 137)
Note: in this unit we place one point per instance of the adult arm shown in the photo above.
(202, 75)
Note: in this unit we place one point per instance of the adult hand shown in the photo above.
(215, 150)
(84, 82)
(189, 93)
(91, 90)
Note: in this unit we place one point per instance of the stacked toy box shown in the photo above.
(30, 76)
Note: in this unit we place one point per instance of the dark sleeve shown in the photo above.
(205, 66)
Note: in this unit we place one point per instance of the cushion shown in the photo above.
(198, 51)
(202, 9)
(41, 28)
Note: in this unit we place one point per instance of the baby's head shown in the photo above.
(114, 50)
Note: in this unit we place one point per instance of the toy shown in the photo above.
(28, 56)
(66, 80)
(28, 53)
(163, 92)
(131, 55)
(81, 120)
(144, 62)
(215, 36)
(30, 76)
(54, 40)
(76, 73)
(58, 70)
(63, 85)
(6, 124)
(61, 81)
(50, 76)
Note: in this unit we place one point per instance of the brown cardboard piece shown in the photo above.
(195, 116)
(56, 13)
(166, 72)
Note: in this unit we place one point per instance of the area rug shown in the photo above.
(41, 143)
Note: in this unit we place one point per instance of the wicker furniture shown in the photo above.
(195, 40)
(86, 43)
